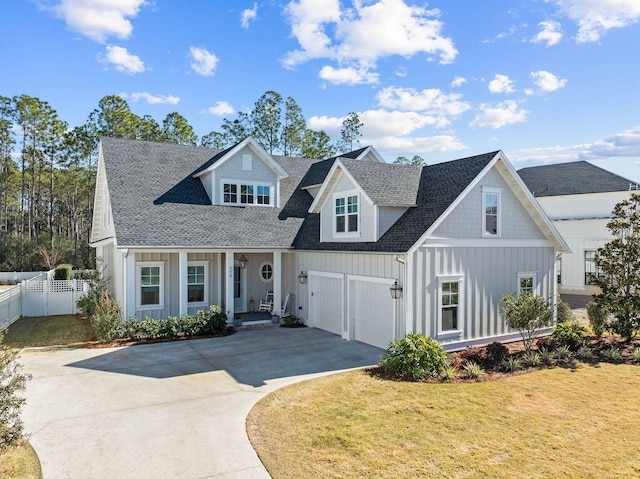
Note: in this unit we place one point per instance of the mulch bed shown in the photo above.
(495, 372)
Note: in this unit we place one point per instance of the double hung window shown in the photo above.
(150, 285)
(491, 212)
(246, 194)
(196, 283)
(346, 214)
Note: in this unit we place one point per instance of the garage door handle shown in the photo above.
(311, 293)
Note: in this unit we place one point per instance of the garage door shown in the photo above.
(372, 309)
(326, 302)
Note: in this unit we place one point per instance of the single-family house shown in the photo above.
(364, 249)
(579, 198)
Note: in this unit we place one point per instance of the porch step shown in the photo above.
(248, 325)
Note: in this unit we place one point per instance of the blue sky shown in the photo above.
(542, 80)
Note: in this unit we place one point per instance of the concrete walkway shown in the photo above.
(169, 410)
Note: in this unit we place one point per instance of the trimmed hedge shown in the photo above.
(63, 272)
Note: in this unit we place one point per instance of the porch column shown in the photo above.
(228, 285)
(183, 293)
(129, 303)
(219, 279)
(277, 282)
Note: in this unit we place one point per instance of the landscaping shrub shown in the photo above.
(572, 335)
(496, 352)
(528, 314)
(585, 354)
(63, 272)
(215, 321)
(531, 359)
(473, 370)
(12, 384)
(546, 355)
(511, 364)
(564, 313)
(415, 357)
(598, 317)
(635, 354)
(107, 319)
(149, 328)
(170, 328)
(563, 352)
(612, 354)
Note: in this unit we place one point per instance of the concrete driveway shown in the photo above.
(169, 410)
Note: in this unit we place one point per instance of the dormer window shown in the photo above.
(346, 214)
(243, 194)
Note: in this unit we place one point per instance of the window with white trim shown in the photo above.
(491, 221)
(150, 285)
(450, 295)
(266, 272)
(527, 283)
(197, 282)
(346, 214)
(243, 194)
(590, 268)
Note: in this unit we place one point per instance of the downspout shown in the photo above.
(404, 296)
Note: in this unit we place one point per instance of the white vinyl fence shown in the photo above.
(10, 306)
(52, 297)
(41, 296)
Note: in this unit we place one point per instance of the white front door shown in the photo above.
(239, 288)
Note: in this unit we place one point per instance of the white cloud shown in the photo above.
(151, 99)
(432, 101)
(458, 81)
(551, 33)
(122, 60)
(221, 108)
(410, 145)
(506, 113)
(248, 15)
(98, 19)
(547, 81)
(596, 17)
(204, 63)
(348, 76)
(501, 84)
(324, 30)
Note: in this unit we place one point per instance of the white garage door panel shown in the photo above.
(374, 313)
(326, 305)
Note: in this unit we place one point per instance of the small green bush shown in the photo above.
(107, 319)
(635, 354)
(612, 354)
(572, 335)
(563, 352)
(63, 272)
(473, 370)
(585, 354)
(511, 364)
(531, 359)
(598, 318)
(12, 385)
(546, 355)
(564, 313)
(415, 357)
(449, 373)
(496, 352)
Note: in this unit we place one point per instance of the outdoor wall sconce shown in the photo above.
(396, 290)
(302, 278)
(243, 261)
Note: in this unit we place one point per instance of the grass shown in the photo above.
(572, 422)
(20, 462)
(64, 330)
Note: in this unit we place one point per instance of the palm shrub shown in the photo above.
(473, 370)
(511, 364)
(415, 357)
(572, 335)
(598, 315)
(528, 314)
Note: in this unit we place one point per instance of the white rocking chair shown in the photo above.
(266, 304)
(283, 310)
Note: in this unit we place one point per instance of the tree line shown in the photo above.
(48, 168)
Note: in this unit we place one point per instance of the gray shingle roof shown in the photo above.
(575, 178)
(157, 203)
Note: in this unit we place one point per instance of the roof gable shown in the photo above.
(224, 156)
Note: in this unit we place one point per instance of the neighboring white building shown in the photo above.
(180, 228)
(579, 198)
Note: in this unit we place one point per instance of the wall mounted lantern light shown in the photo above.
(302, 278)
(396, 290)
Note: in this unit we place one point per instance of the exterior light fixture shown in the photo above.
(243, 261)
(302, 278)
(396, 290)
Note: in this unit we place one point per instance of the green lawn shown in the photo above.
(20, 462)
(570, 422)
(64, 330)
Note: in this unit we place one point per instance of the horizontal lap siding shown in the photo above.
(488, 274)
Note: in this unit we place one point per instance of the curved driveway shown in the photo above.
(168, 410)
